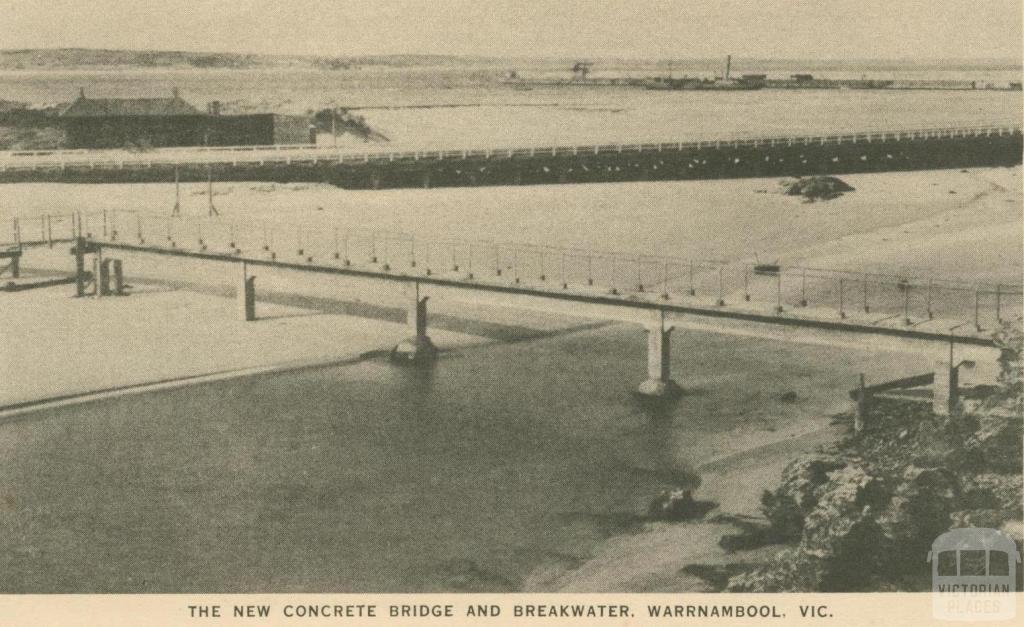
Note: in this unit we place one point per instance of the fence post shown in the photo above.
(746, 283)
(842, 288)
(803, 288)
(999, 295)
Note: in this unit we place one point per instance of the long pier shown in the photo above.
(938, 312)
(735, 157)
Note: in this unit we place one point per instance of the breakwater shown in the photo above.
(899, 150)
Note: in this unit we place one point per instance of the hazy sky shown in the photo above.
(925, 29)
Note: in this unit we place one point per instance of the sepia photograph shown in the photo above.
(691, 298)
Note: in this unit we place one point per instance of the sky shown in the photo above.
(795, 29)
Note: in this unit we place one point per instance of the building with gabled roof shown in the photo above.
(142, 123)
(131, 122)
(128, 107)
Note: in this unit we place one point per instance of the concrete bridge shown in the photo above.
(938, 313)
(996, 144)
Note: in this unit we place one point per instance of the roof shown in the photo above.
(107, 107)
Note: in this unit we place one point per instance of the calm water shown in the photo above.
(376, 478)
(499, 115)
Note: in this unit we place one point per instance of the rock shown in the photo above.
(816, 188)
(788, 397)
(987, 518)
(997, 442)
(789, 571)
(676, 505)
(842, 531)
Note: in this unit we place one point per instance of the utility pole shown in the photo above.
(176, 212)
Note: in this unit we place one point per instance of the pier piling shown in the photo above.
(659, 383)
(246, 294)
(417, 348)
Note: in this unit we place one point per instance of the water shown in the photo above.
(376, 478)
(498, 115)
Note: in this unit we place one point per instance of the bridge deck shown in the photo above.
(825, 318)
(905, 306)
(722, 157)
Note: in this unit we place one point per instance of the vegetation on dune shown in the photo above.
(861, 515)
(342, 121)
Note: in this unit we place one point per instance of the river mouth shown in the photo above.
(368, 477)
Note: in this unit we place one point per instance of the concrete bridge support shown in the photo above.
(117, 276)
(82, 277)
(946, 388)
(101, 273)
(246, 295)
(14, 265)
(659, 383)
(418, 347)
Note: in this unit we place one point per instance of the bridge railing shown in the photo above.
(872, 298)
(308, 154)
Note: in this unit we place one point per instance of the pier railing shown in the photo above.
(903, 301)
(306, 154)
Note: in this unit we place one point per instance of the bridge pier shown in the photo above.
(418, 348)
(101, 273)
(659, 383)
(83, 277)
(946, 388)
(117, 269)
(14, 265)
(246, 295)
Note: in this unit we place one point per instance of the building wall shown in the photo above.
(240, 130)
(259, 129)
(129, 131)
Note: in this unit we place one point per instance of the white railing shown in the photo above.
(301, 153)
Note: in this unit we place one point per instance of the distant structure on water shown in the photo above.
(142, 123)
(581, 77)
